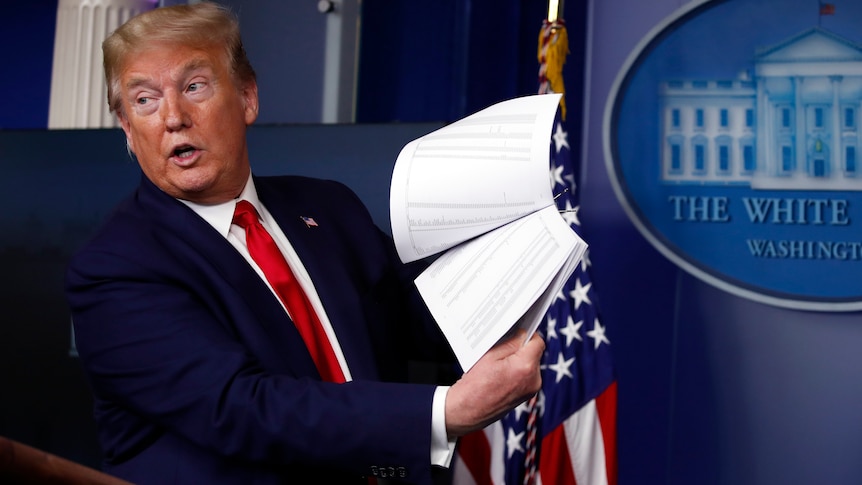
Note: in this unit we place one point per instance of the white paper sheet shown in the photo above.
(472, 176)
(482, 289)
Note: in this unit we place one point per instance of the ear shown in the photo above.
(250, 101)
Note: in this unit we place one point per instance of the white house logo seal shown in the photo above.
(733, 138)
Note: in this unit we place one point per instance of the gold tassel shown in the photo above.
(553, 49)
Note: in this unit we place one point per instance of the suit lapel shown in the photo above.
(237, 278)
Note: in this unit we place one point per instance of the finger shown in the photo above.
(533, 349)
(510, 343)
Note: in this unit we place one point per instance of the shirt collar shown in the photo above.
(220, 216)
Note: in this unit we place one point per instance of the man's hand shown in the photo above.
(503, 378)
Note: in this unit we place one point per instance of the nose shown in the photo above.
(174, 112)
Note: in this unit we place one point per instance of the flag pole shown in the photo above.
(554, 8)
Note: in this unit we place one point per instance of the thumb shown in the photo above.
(510, 344)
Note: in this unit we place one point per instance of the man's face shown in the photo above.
(185, 119)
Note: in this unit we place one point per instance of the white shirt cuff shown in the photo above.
(442, 448)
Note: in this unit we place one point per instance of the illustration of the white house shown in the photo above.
(794, 124)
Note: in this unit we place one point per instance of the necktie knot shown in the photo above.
(245, 215)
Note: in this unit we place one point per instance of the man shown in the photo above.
(198, 372)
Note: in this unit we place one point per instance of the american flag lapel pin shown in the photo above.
(309, 221)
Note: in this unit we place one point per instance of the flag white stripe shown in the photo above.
(586, 445)
(461, 474)
(497, 439)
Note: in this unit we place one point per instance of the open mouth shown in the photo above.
(184, 151)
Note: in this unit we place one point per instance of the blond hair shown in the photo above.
(198, 25)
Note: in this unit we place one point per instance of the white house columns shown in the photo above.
(835, 154)
(78, 93)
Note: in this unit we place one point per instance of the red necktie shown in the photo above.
(267, 255)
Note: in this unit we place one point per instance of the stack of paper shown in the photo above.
(479, 191)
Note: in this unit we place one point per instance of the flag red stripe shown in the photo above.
(475, 452)
(606, 408)
(554, 461)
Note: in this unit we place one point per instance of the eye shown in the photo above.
(143, 103)
(194, 87)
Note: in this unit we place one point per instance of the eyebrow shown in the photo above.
(190, 66)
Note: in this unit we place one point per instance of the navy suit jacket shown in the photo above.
(198, 374)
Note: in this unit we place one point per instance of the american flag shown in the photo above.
(309, 221)
(567, 434)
